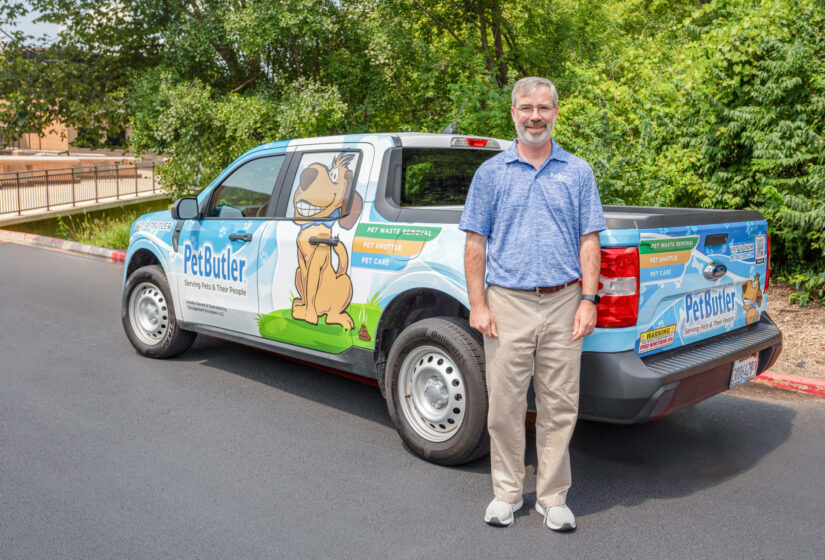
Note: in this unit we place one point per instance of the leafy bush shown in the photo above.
(809, 287)
(109, 232)
(203, 130)
(725, 110)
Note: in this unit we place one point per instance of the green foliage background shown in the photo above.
(716, 104)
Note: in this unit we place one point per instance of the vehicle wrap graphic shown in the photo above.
(752, 299)
(389, 246)
(322, 309)
(661, 259)
(323, 287)
(208, 263)
(216, 275)
(656, 339)
(679, 303)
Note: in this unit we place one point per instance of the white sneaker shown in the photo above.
(500, 513)
(557, 518)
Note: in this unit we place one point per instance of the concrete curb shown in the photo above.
(810, 386)
(111, 255)
(815, 387)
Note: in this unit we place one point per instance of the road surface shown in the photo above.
(229, 452)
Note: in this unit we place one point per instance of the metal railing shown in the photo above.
(25, 191)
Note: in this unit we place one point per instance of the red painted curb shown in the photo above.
(815, 387)
(111, 255)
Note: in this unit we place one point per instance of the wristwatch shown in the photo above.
(592, 298)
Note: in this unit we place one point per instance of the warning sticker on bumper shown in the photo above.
(656, 339)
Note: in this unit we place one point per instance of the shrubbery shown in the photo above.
(726, 110)
(105, 231)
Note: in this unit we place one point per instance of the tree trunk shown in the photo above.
(501, 77)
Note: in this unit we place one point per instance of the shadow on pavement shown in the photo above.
(676, 456)
(322, 387)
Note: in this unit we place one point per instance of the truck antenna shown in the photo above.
(451, 127)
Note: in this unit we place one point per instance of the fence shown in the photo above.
(44, 190)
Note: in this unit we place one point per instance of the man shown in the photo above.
(532, 216)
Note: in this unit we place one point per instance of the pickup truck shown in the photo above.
(345, 252)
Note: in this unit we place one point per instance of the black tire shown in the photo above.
(439, 361)
(154, 332)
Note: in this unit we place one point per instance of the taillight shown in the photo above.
(466, 142)
(619, 287)
(768, 262)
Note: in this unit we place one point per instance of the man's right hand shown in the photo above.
(474, 262)
(482, 320)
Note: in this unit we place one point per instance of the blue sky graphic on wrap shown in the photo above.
(680, 295)
(220, 242)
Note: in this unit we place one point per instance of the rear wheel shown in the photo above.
(148, 315)
(436, 390)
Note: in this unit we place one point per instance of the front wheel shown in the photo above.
(148, 315)
(436, 390)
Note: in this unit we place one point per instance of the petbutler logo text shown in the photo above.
(209, 264)
(709, 310)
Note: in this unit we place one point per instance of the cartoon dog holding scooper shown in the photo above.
(751, 299)
(321, 199)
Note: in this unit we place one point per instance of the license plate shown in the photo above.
(743, 370)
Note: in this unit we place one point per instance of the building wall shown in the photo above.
(57, 138)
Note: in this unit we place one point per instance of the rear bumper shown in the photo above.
(623, 388)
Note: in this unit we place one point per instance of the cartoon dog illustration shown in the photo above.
(751, 299)
(323, 193)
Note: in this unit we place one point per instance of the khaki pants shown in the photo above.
(534, 331)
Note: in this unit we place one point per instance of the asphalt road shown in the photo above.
(228, 452)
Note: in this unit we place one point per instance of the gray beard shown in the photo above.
(535, 141)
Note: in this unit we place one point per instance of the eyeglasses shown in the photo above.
(544, 110)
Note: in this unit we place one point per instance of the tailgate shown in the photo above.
(699, 281)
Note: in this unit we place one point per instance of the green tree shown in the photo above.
(761, 119)
(82, 79)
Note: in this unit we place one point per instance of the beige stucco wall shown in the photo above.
(57, 138)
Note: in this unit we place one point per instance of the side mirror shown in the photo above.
(185, 209)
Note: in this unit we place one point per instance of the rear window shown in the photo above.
(439, 176)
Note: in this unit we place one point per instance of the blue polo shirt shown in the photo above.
(533, 217)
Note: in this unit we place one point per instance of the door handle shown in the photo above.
(240, 237)
(331, 241)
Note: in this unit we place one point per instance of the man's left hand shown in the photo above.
(585, 320)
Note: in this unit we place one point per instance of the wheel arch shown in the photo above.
(146, 252)
(142, 257)
(405, 309)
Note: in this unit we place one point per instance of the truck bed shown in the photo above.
(645, 217)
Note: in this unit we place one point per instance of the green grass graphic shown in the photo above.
(279, 325)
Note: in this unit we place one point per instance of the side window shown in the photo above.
(246, 192)
(439, 176)
(324, 185)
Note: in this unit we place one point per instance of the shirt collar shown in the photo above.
(511, 154)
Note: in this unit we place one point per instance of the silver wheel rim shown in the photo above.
(148, 313)
(432, 393)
